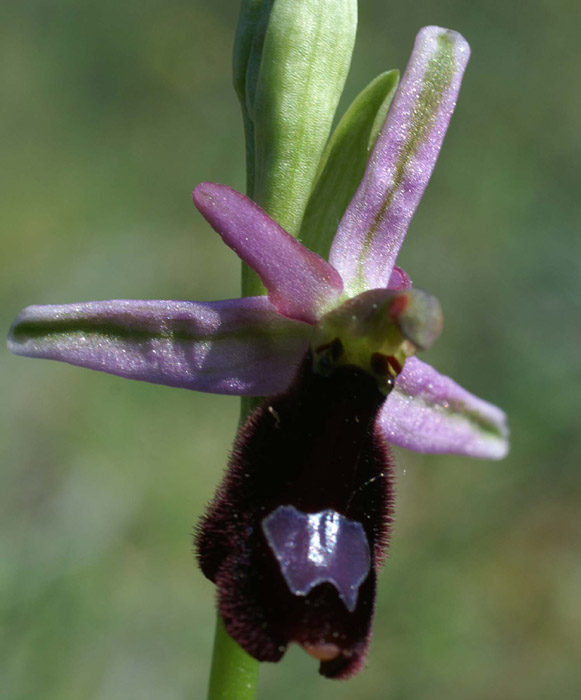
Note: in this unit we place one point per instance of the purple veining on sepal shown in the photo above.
(300, 284)
(375, 223)
(236, 346)
(315, 548)
(429, 412)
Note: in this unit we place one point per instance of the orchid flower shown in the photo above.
(299, 527)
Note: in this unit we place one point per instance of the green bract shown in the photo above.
(252, 24)
(344, 161)
(305, 49)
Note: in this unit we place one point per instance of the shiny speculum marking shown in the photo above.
(315, 548)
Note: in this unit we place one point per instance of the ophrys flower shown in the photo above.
(345, 331)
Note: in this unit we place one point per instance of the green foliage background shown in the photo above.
(110, 113)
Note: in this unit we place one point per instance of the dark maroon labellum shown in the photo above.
(296, 532)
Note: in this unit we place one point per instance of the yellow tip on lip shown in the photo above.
(323, 651)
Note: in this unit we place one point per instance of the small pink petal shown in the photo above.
(399, 279)
(300, 284)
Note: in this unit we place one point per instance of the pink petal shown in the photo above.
(238, 346)
(399, 279)
(428, 412)
(300, 284)
(374, 225)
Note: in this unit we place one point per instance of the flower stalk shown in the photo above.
(234, 673)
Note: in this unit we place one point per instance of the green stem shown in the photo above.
(234, 673)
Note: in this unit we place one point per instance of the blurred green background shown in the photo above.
(110, 113)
